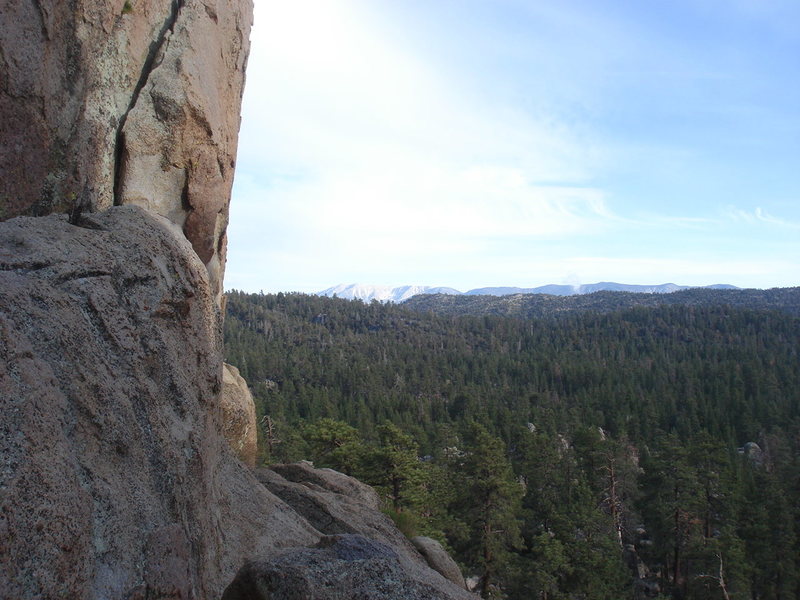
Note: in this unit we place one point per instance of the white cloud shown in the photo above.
(419, 199)
(362, 141)
(365, 159)
(326, 90)
(758, 216)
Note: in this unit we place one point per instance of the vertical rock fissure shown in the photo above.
(185, 204)
(147, 69)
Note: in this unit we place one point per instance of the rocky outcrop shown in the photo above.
(752, 451)
(342, 507)
(342, 567)
(124, 102)
(438, 559)
(330, 480)
(238, 415)
(333, 512)
(114, 474)
(115, 479)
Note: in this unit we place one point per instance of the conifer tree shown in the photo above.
(490, 504)
(334, 444)
(395, 469)
(672, 508)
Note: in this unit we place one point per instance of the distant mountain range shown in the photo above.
(385, 293)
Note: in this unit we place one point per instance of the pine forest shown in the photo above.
(607, 447)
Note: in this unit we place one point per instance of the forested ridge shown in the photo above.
(545, 305)
(620, 453)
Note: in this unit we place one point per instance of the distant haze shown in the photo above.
(384, 293)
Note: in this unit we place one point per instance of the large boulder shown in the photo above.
(438, 559)
(330, 480)
(125, 101)
(342, 567)
(114, 476)
(335, 512)
(342, 507)
(238, 415)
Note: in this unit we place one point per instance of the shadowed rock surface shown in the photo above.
(110, 371)
(336, 512)
(343, 508)
(341, 567)
(328, 479)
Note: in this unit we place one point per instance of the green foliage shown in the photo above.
(489, 502)
(394, 468)
(127, 8)
(539, 306)
(334, 444)
(572, 541)
(599, 430)
(404, 521)
(541, 571)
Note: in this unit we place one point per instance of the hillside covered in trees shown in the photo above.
(545, 305)
(645, 451)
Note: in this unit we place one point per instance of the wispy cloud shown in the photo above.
(758, 216)
(370, 144)
(475, 202)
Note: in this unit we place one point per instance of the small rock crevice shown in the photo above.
(24, 268)
(147, 68)
(80, 274)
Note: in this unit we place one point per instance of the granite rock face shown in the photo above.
(124, 102)
(438, 559)
(114, 476)
(329, 480)
(178, 142)
(342, 567)
(238, 415)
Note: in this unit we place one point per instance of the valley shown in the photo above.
(598, 451)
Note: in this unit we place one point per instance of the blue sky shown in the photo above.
(510, 142)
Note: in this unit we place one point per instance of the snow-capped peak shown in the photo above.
(385, 293)
(382, 293)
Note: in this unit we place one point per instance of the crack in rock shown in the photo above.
(147, 68)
